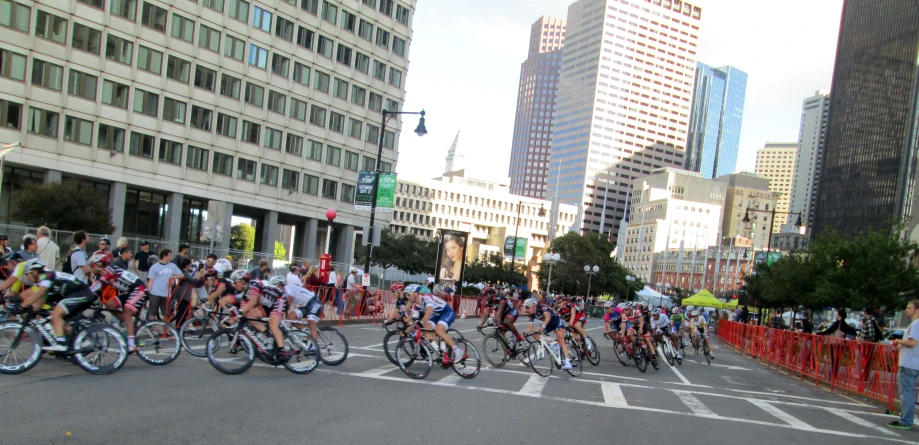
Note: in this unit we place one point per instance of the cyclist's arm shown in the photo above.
(428, 311)
(485, 313)
(8, 282)
(217, 291)
(38, 294)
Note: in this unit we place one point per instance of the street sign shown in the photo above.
(386, 192)
(365, 280)
(509, 247)
(364, 196)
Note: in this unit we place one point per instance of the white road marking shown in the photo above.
(695, 404)
(376, 372)
(612, 394)
(859, 421)
(797, 397)
(678, 373)
(450, 380)
(368, 347)
(734, 368)
(534, 386)
(792, 421)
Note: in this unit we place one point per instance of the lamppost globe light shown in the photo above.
(586, 268)
(596, 269)
(556, 257)
(548, 257)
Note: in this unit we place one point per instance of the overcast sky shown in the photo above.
(465, 61)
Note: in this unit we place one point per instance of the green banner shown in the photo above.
(386, 192)
(364, 195)
(509, 247)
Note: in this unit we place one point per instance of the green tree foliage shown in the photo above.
(280, 252)
(242, 237)
(592, 249)
(492, 269)
(406, 252)
(67, 205)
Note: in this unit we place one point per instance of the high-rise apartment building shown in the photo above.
(811, 141)
(714, 126)
(624, 100)
(270, 108)
(867, 178)
(776, 162)
(536, 94)
(748, 196)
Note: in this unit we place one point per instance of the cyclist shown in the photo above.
(266, 299)
(697, 327)
(307, 305)
(611, 319)
(501, 305)
(218, 286)
(69, 295)
(677, 318)
(131, 296)
(661, 325)
(572, 310)
(632, 317)
(550, 323)
(12, 269)
(435, 314)
(399, 310)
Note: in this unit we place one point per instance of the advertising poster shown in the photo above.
(451, 258)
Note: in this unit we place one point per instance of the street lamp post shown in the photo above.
(590, 271)
(630, 279)
(510, 272)
(551, 258)
(420, 130)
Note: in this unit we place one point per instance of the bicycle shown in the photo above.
(395, 333)
(157, 342)
(196, 331)
(90, 344)
(697, 343)
(224, 347)
(573, 336)
(665, 346)
(416, 356)
(333, 346)
(542, 357)
(499, 348)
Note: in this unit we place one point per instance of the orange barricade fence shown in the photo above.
(868, 369)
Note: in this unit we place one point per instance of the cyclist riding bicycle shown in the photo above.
(399, 309)
(611, 319)
(697, 327)
(435, 314)
(679, 326)
(550, 323)
(130, 295)
(632, 318)
(303, 303)
(661, 326)
(266, 299)
(215, 284)
(572, 311)
(501, 305)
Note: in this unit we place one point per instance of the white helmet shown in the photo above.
(277, 280)
(608, 304)
(105, 260)
(530, 302)
(239, 275)
(690, 308)
(33, 265)
(694, 314)
(412, 288)
(656, 311)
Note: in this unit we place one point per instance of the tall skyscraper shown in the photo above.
(811, 142)
(776, 162)
(455, 161)
(623, 102)
(535, 108)
(714, 126)
(867, 178)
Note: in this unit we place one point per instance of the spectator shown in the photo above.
(806, 326)
(186, 292)
(121, 244)
(140, 260)
(871, 330)
(292, 277)
(159, 278)
(839, 328)
(260, 272)
(123, 260)
(339, 290)
(909, 368)
(78, 257)
(354, 294)
(48, 251)
(29, 248)
(5, 242)
(744, 315)
(183, 253)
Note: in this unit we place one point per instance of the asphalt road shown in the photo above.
(368, 400)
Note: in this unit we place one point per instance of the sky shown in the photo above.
(464, 68)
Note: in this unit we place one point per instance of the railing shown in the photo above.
(868, 369)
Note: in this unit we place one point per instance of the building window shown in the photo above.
(51, 27)
(310, 6)
(355, 128)
(297, 109)
(115, 94)
(268, 175)
(15, 15)
(325, 46)
(233, 47)
(329, 12)
(178, 69)
(386, 167)
(321, 81)
(392, 105)
(310, 184)
(149, 60)
(255, 94)
(305, 38)
(258, 56)
(347, 21)
(333, 155)
(373, 134)
(365, 30)
(273, 138)
(317, 115)
(389, 139)
(170, 152)
(205, 78)
(146, 102)
(209, 38)
(351, 160)
(196, 158)
(153, 16)
(395, 77)
(369, 164)
(141, 145)
(280, 65)
(47, 75)
(226, 125)
(376, 102)
(10, 114)
(239, 10)
(277, 102)
(110, 138)
(98, 4)
(201, 118)
(119, 50)
(290, 180)
(301, 73)
(86, 39)
(78, 130)
(245, 169)
(358, 95)
(294, 144)
(183, 28)
(223, 164)
(344, 55)
(386, 7)
(361, 62)
(398, 46)
(173, 110)
(341, 89)
(216, 5)
(284, 29)
(82, 85)
(229, 86)
(251, 132)
(402, 14)
(261, 19)
(336, 122)
(329, 187)
(12, 65)
(314, 150)
(370, 3)
(126, 9)
(379, 70)
(347, 193)
(382, 38)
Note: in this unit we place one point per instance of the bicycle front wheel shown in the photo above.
(308, 355)
(414, 358)
(665, 349)
(621, 353)
(540, 359)
(20, 348)
(333, 346)
(195, 333)
(469, 364)
(638, 356)
(230, 352)
(593, 352)
(101, 349)
(390, 344)
(157, 343)
(495, 351)
(575, 357)
(457, 335)
(708, 357)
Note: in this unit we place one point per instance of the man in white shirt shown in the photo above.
(78, 258)
(909, 368)
(354, 293)
(48, 251)
(292, 278)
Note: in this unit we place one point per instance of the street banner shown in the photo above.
(509, 248)
(451, 257)
(364, 197)
(386, 192)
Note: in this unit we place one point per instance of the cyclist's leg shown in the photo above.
(509, 320)
(648, 340)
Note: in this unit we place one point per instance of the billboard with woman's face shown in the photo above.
(451, 260)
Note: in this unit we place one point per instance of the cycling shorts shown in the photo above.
(580, 318)
(646, 330)
(665, 330)
(677, 326)
(125, 297)
(136, 301)
(553, 325)
(77, 302)
(513, 314)
(446, 317)
(310, 311)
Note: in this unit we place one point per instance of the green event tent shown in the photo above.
(703, 299)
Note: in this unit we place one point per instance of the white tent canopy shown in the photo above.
(653, 298)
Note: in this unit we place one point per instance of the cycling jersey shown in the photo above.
(269, 297)
(132, 292)
(698, 322)
(71, 294)
(442, 314)
(228, 288)
(509, 309)
(307, 302)
(541, 310)
(614, 319)
(633, 318)
(662, 323)
(677, 319)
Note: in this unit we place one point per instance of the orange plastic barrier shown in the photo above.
(869, 369)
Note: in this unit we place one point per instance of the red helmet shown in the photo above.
(397, 287)
(489, 291)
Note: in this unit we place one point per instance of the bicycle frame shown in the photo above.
(544, 346)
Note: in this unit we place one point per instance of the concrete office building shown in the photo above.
(776, 162)
(720, 270)
(624, 102)
(808, 161)
(535, 108)
(714, 126)
(747, 193)
(270, 107)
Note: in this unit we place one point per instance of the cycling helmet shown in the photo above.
(35, 264)
(222, 266)
(210, 273)
(424, 290)
(105, 240)
(397, 286)
(13, 256)
(100, 258)
(608, 304)
(277, 280)
(675, 310)
(690, 308)
(152, 259)
(694, 313)
(239, 275)
(530, 302)
(413, 288)
(489, 291)
(656, 311)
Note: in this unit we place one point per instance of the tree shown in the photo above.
(242, 237)
(592, 249)
(280, 252)
(67, 205)
(406, 252)
(491, 268)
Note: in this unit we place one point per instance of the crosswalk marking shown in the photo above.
(379, 371)
(787, 418)
(695, 404)
(859, 421)
(612, 394)
(534, 386)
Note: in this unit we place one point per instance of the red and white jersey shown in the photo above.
(635, 317)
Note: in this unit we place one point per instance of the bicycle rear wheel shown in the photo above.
(593, 353)
(705, 350)
(20, 348)
(414, 358)
(230, 351)
(195, 333)
(638, 356)
(621, 353)
(158, 343)
(540, 359)
(469, 366)
(495, 351)
(333, 346)
(101, 349)
(457, 335)
(308, 355)
(576, 359)
(668, 353)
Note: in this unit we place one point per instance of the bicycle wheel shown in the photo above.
(593, 354)
(20, 348)
(654, 360)
(575, 357)
(195, 333)
(158, 343)
(413, 358)
(622, 354)
(705, 351)
(308, 355)
(665, 349)
(230, 351)
(101, 349)
(390, 344)
(540, 359)
(333, 346)
(457, 335)
(495, 351)
(638, 356)
(469, 366)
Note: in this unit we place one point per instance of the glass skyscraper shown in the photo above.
(714, 126)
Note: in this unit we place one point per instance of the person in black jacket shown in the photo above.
(185, 291)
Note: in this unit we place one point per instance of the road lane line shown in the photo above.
(368, 347)
(678, 373)
(797, 397)
(612, 394)
(793, 421)
(859, 421)
(376, 372)
(534, 386)
(450, 380)
(695, 404)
